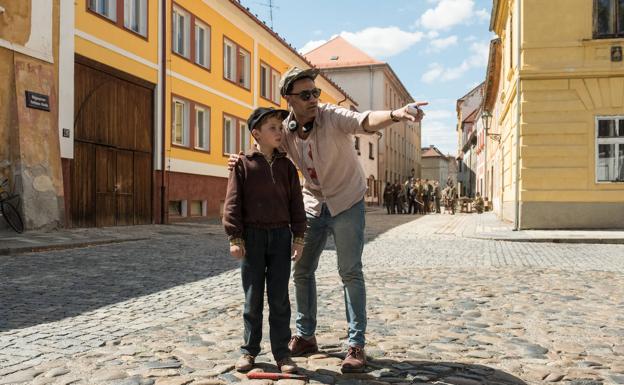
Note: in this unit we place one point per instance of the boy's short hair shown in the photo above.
(261, 114)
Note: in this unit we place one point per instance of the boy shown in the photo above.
(263, 206)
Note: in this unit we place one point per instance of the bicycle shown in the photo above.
(8, 208)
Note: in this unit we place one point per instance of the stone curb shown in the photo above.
(64, 246)
(551, 240)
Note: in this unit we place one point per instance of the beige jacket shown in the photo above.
(339, 172)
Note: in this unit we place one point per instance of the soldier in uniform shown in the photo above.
(436, 195)
(387, 198)
(478, 203)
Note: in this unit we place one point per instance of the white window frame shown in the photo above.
(206, 128)
(185, 122)
(616, 140)
(206, 32)
(184, 51)
(229, 60)
(97, 6)
(232, 130)
(130, 16)
(244, 141)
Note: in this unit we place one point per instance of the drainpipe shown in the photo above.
(518, 116)
(163, 90)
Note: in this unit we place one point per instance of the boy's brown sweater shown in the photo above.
(263, 195)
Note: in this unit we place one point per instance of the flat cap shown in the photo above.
(294, 74)
(259, 113)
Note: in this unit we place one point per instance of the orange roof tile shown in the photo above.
(339, 53)
(431, 152)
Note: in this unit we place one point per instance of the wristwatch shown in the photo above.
(394, 118)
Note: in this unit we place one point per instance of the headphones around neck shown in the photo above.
(293, 125)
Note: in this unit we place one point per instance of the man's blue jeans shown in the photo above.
(348, 231)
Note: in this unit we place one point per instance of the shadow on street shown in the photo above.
(48, 286)
(410, 371)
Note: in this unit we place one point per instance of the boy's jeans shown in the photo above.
(268, 257)
(348, 231)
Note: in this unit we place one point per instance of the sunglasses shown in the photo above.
(305, 95)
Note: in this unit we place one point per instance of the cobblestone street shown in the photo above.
(442, 309)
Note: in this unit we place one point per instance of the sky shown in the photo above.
(438, 48)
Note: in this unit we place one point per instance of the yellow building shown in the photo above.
(558, 104)
(165, 85)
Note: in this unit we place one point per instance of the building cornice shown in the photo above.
(500, 9)
(288, 46)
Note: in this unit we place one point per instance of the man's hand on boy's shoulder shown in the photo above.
(233, 159)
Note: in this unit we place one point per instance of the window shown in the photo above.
(236, 64)
(181, 32)
(244, 69)
(202, 44)
(275, 80)
(202, 128)
(265, 83)
(178, 208)
(180, 129)
(197, 208)
(106, 8)
(610, 150)
(132, 13)
(229, 135)
(269, 83)
(357, 144)
(244, 136)
(608, 18)
(370, 151)
(135, 16)
(236, 135)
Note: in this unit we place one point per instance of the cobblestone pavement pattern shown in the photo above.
(442, 309)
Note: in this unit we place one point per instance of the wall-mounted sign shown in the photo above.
(38, 101)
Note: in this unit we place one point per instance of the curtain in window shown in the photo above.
(201, 134)
(200, 41)
(229, 136)
(605, 17)
(263, 82)
(178, 130)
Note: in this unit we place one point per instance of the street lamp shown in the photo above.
(486, 117)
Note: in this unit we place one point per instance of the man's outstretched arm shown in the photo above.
(378, 120)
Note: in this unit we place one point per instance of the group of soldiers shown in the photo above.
(418, 196)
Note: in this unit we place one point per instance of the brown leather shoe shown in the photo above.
(299, 346)
(245, 363)
(287, 365)
(355, 361)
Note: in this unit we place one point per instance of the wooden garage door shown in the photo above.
(111, 174)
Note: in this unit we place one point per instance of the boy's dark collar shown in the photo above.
(250, 153)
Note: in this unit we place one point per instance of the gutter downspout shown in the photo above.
(518, 116)
(163, 90)
(370, 107)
